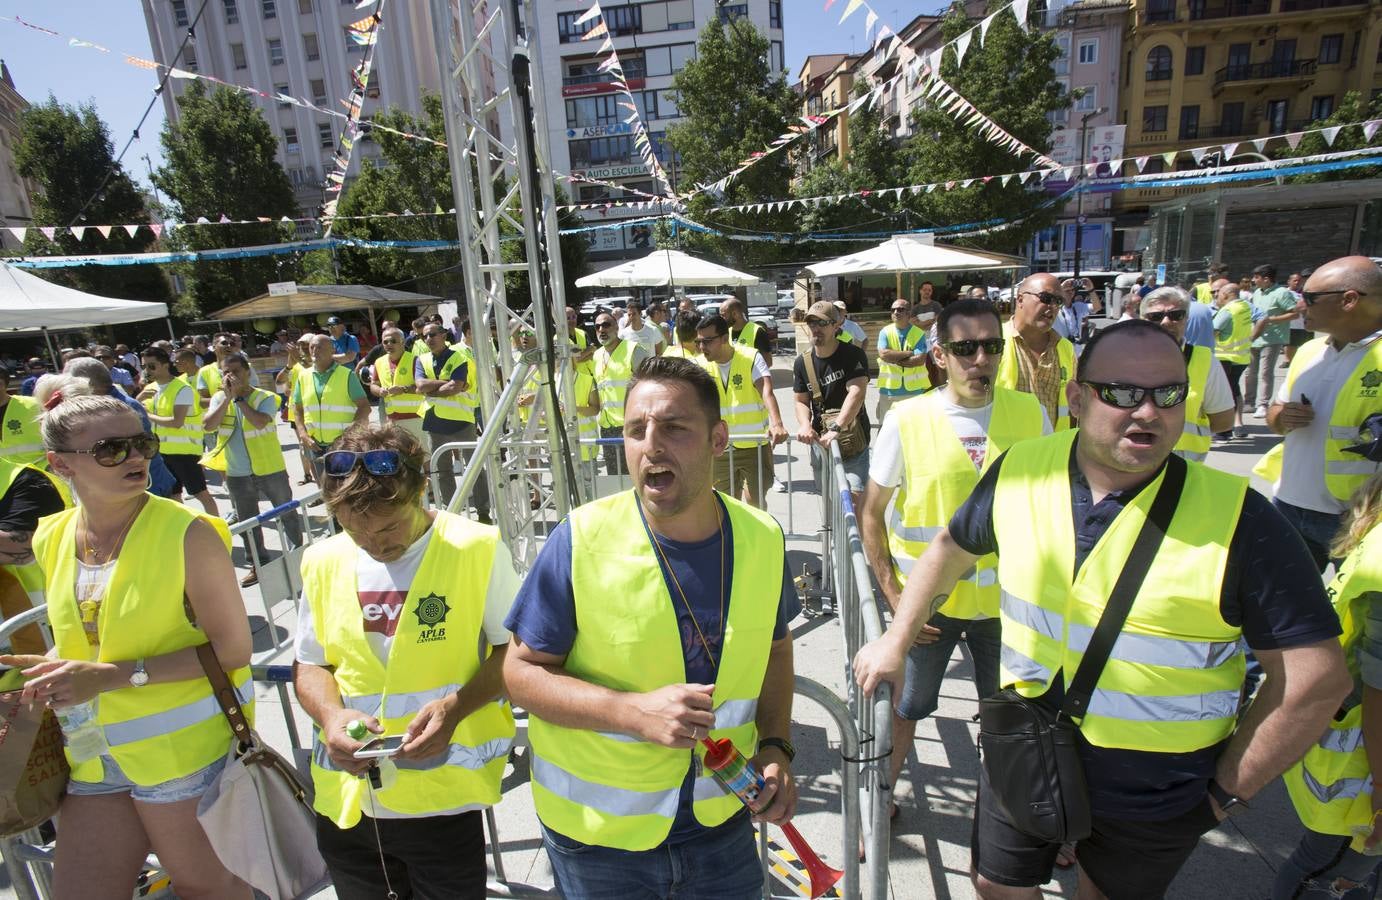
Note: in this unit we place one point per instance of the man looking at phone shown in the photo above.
(392, 610)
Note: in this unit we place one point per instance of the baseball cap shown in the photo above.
(334, 320)
(840, 305)
(822, 309)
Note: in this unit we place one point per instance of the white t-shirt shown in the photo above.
(970, 424)
(1218, 395)
(760, 369)
(648, 336)
(1302, 465)
(183, 397)
(855, 331)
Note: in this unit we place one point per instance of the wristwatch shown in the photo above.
(1230, 804)
(780, 743)
(140, 676)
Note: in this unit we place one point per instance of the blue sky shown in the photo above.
(41, 64)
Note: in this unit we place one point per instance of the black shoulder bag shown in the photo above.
(1029, 752)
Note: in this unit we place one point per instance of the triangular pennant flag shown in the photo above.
(930, 188)
(1169, 157)
(1090, 169)
(1260, 145)
(611, 63)
(78, 231)
(1230, 149)
(224, 220)
(869, 21)
(156, 229)
(589, 14)
(1020, 12)
(1024, 177)
(104, 230)
(1331, 133)
(850, 8)
(882, 36)
(49, 231)
(1005, 179)
(985, 25)
(1370, 127)
(1293, 139)
(19, 233)
(933, 59)
(1067, 173)
(599, 30)
(962, 44)
(1141, 163)
(967, 182)
(181, 73)
(1198, 153)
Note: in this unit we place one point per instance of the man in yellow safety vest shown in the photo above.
(1233, 320)
(1035, 358)
(901, 359)
(20, 442)
(678, 642)
(742, 331)
(327, 399)
(749, 409)
(400, 635)
(170, 401)
(394, 384)
(1209, 408)
(1165, 752)
(615, 362)
(446, 377)
(930, 453)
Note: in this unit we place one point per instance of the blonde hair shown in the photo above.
(73, 413)
(70, 385)
(1362, 516)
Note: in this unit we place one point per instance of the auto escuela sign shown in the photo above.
(596, 131)
(620, 171)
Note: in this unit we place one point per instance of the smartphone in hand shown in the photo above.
(380, 747)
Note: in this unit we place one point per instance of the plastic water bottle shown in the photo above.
(81, 731)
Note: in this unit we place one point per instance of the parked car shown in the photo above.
(591, 308)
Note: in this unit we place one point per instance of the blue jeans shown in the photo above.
(1316, 528)
(927, 663)
(721, 864)
(1322, 866)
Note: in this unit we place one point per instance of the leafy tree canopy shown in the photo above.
(1351, 109)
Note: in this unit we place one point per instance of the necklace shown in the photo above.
(89, 607)
(657, 546)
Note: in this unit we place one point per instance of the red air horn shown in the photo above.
(740, 778)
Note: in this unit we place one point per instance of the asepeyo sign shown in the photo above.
(595, 131)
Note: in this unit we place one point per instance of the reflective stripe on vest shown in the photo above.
(1009, 371)
(457, 407)
(612, 375)
(741, 402)
(438, 648)
(619, 792)
(1236, 349)
(405, 404)
(1195, 437)
(265, 452)
(938, 474)
(165, 730)
(329, 414)
(1174, 675)
(893, 379)
(185, 440)
(1358, 398)
(1331, 787)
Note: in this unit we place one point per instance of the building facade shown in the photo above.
(16, 209)
(826, 82)
(587, 131)
(1205, 72)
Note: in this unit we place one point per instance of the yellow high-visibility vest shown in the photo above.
(937, 477)
(158, 732)
(20, 439)
(1172, 682)
(265, 452)
(329, 413)
(434, 653)
(741, 403)
(612, 375)
(612, 789)
(1195, 436)
(893, 378)
(1236, 349)
(457, 407)
(186, 440)
(1008, 371)
(404, 404)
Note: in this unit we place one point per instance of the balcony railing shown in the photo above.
(1199, 9)
(630, 71)
(1154, 15)
(1275, 68)
(1289, 6)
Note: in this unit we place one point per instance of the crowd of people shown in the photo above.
(1010, 478)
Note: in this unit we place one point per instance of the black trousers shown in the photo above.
(428, 857)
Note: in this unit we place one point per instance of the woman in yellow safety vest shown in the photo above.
(1333, 787)
(144, 736)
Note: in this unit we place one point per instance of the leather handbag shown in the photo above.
(851, 437)
(1028, 748)
(257, 814)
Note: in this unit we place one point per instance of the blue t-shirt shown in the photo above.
(431, 422)
(161, 481)
(544, 616)
(1199, 325)
(346, 343)
(1271, 589)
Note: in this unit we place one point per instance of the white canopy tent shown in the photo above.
(666, 268)
(912, 253)
(28, 303)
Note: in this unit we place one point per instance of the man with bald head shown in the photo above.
(1037, 360)
(327, 399)
(1165, 752)
(1333, 385)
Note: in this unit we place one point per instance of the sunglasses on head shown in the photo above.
(111, 452)
(992, 346)
(1311, 296)
(1046, 297)
(1157, 315)
(340, 463)
(1130, 396)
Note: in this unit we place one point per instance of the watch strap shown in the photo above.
(780, 743)
(1227, 802)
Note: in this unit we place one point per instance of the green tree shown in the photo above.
(1011, 80)
(1351, 109)
(733, 105)
(220, 160)
(66, 152)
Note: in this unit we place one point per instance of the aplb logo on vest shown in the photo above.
(14, 426)
(1371, 382)
(431, 612)
(737, 381)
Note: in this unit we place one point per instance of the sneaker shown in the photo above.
(1221, 439)
(1260, 413)
(1240, 433)
(250, 580)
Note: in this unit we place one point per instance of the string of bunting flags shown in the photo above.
(364, 33)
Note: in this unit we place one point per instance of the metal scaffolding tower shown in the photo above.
(496, 133)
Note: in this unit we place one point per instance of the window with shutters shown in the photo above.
(180, 13)
(276, 57)
(290, 141)
(232, 12)
(269, 8)
(311, 47)
(1153, 118)
(237, 56)
(324, 136)
(318, 86)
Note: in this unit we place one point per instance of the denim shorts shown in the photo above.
(114, 781)
(856, 469)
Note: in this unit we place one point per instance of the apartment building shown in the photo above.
(587, 129)
(16, 209)
(1205, 72)
(825, 82)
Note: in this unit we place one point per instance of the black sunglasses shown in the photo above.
(706, 342)
(1175, 315)
(1311, 296)
(340, 463)
(111, 452)
(1130, 396)
(1046, 297)
(599, 325)
(813, 322)
(900, 309)
(992, 346)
